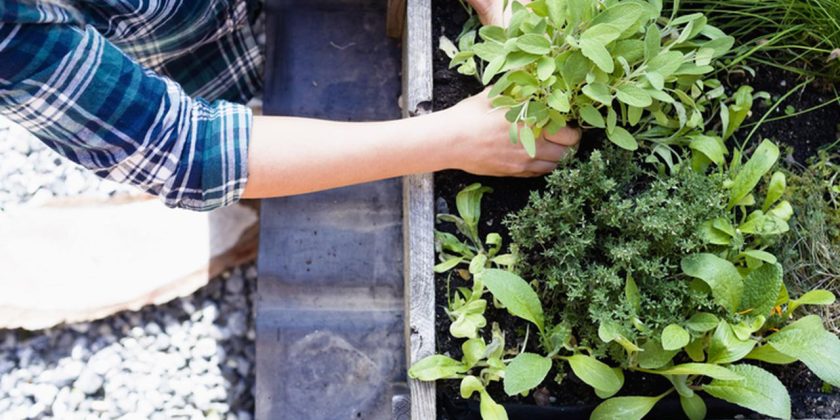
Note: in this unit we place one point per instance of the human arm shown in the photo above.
(297, 155)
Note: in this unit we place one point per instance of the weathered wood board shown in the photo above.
(418, 210)
(330, 315)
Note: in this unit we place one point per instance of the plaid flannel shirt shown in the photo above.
(108, 84)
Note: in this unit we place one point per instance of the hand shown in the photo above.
(490, 12)
(483, 146)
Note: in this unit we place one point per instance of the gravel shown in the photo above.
(190, 358)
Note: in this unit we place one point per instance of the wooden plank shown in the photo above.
(396, 18)
(418, 210)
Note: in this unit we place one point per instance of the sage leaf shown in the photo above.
(693, 407)
(808, 341)
(814, 297)
(525, 372)
(436, 366)
(515, 294)
(595, 373)
(654, 356)
(762, 160)
(674, 337)
(633, 96)
(534, 44)
(623, 139)
(759, 391)
(598, 92)
(726, 347)
(702, 322)
(705, 369)
(595, 51)
(711, 147)
(721, 276)
(624, 408)
(591, 116)
(526, 137)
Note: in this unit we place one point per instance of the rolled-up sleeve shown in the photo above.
(93, 104)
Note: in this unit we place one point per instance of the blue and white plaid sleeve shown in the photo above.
(93, 104)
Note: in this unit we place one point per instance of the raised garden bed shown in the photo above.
(572, 397)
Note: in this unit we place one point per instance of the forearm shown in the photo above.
(297, 155)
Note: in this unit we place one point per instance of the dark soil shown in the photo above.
(571, 398)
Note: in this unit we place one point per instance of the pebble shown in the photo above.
(189, 358)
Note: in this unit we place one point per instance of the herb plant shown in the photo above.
(609, 64)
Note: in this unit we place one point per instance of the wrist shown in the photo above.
(446, 139)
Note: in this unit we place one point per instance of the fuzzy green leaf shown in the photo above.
(702, 322)
(534, 44)
(808, 341)
(436, 367)
(674, 337)
(721, 276)
(726, 347)
(633, 96)
(525, 372)
(694, 407)
(623, 139)
(526, 137)
(750, 174)
(768, 354)
(705, 369)
(595, 51)
(598, 92)
(624, 408)
(595, 373)
(759, 391)
(761, 288)
(591, 116)
(515, 294)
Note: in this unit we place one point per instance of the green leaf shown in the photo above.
(631, 294)
(478, 263)
(694, 407)
(705, 369)
(761, 288)
(534, 44)
(525, 372)
(768, 354)
(808, 341)
(763, 256)
(474, 350)
(621, 16)
(493, 67)
(575, 68)
(598, 92)
(559, 100)
(721, 276)
(633, 96)
(545, 68)
(759, 391)
(492, 33)
(591, 116)
(491, 410)
(726, 347)
(624, 408)
(468, 202)
(436, 366)
(654, 356)
(814, 297)
(665, 63)
(623, 139)
(602, 34)
(652, 40)
(448, 265)
(470, 385)
(526, 137)
(711, 147)
(656, 80)
(515, 294)
(468, 319)
(557, 11)
(595, 373)
(762, 160)
(595, 51)
(694, 350)
(674, 337)
(702, 322)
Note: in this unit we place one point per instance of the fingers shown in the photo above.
(566, 136)
(536, 168)
(550, 151)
